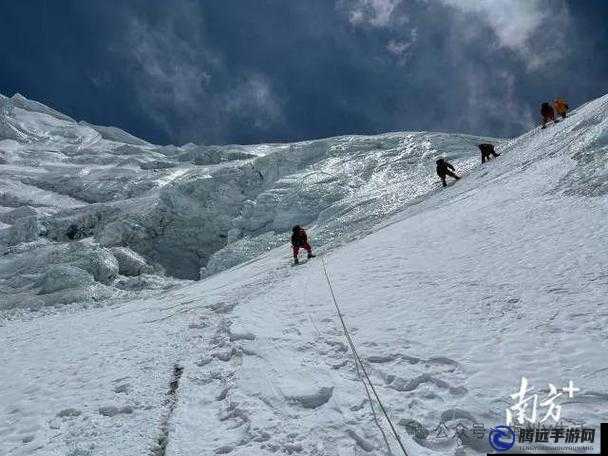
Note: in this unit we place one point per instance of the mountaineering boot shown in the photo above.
(296, 261)
(310, 255)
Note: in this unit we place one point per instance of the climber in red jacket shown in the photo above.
(299, 240)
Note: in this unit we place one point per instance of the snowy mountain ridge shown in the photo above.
(451, 297)
(107, 213)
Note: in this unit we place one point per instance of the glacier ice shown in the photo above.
(63, 276)
(129, 262)
(127, 207)
(191, 211)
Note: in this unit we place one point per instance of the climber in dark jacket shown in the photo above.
(445, 169)
(546, 110)
(487, 150)
(299, 240)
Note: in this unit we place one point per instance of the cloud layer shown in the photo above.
(238, 71)
(184, 84)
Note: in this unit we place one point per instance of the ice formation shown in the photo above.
(74, 189)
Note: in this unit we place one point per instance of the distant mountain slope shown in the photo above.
(116, 134)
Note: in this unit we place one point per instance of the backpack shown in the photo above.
(486, 148)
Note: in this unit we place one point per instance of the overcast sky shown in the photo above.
(249, 71)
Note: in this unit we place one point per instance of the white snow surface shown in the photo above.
(451, 296)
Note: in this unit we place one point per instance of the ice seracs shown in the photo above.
(188, 212)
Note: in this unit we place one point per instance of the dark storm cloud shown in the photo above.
(185, 82)
(266, 70)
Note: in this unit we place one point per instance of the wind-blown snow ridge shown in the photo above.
(450, 301)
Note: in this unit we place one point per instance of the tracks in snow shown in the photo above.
(160, 446)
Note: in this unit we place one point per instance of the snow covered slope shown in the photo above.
(103, 214)
(450, 301)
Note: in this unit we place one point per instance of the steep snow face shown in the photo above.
(191, 211)
(453, 301)
(450, 302)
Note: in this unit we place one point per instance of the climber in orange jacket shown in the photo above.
(561, 107)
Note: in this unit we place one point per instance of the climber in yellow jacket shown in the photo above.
(561, 107)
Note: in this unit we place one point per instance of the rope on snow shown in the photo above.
(361, 368)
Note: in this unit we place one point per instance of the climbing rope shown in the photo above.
(359, 363)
